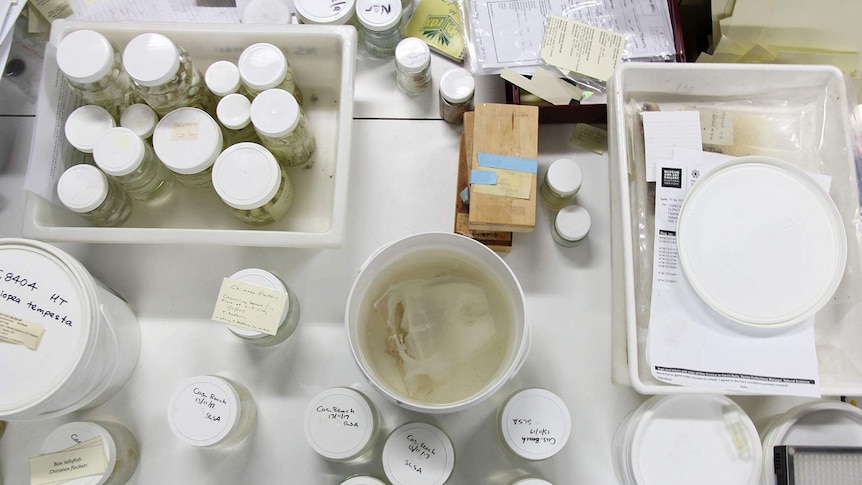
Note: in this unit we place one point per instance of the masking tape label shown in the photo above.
(250, 306)
(20, 332)
(82, 460)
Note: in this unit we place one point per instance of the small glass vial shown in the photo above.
(561, 183)
(380, 25)
(141, 119)
(571, 226)
(86, 125)
(211, 412)
(251, 183)
(283, 128)
(456, 95)
(131, 161)
(93, 68)
(84, 189)
(326, 12)
(222, 78)
(418, 454)
(263, 66)
(165, 75)
(413, 65)
(341, 424)
(117, 442)
(266, 12)
(289, 315)
(234, 115)
(188, 141)
(534, 424)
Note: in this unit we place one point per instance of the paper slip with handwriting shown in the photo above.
(83, 460)
(582, 48)
(665, 130)
(250, 306)
(21, 332)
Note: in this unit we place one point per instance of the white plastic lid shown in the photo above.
(140, 118)
(457, 85)
(378, 15)
(412, 55)
(259, 277)
(275, 113)
(339, 423)
(326, 13)
(532, 481)
(85, 56)
(572, 223)
(535, 424)
(246, 176)
(363, 480)
(266, 12)
(119, 152)
(418, 454)
(222, 78)
(262, 66)
(82, 188)
(203, 410)
(187, 140)
(86, 125)
(234, 111)
(565, 177)
(761, 242)
(151, 59)
(75, 433)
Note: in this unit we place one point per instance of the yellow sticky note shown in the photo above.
(249, 306)
(582, 48)
(69, 464)
(590, 137)
(53, 9)
(510, 183)
(20, 332)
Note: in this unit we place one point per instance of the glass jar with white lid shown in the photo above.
(341, 424)
(531, 481)
(326, 12)
(86, 125)
(234, 115)
(534, 424)
(252, 184)
(456, 94)
(271, 12)
(85, 190)
(363, 480)
(263, 66)
(117, 443)
(282, 127)
(188, 141)
(413, 65)
(561, 183)
(571, 226)
(222, 78)
(380, 24)
(131, 161)
(141, 119)
(418, 454)
(211, 412)
(289, 315)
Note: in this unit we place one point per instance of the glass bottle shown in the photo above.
(211, 412)
(456, 95)
(561, 183)
(290, 313)
(141, 119)
(413, 65)
(164, 74)
(282, 127)
(234, 114)
(86, 125)
(222, 78)
(252, 184)
(188, 141)
(131, 161)
(93, 68)
(418, 454)
(571, 226)
(534, 424)
(326, 12)
(263, 66)
(380, 25)
(341, 424)
(84, 189)
(119, 445)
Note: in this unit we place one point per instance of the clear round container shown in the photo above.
(413, 65)
(571, 226)
(534, 424)
(188, 141)
(118, 443)
(363, 480)
(282, 127)
(341, 424)
(234, 115)
(272, 12)
(211, 412)
(456, 94)
(327, 12)
(131, 161)
(561, 183)
(85, 190)
(222, 78)
(289, 316)
(141, 119)
(164, 74)
(380, 26)
(263, 66)
(418, 454)
(86, 125)
(252, 184)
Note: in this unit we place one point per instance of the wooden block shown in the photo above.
(509, 130)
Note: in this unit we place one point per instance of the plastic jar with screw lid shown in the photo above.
(283, 128)
(534, 424)
(234, 115)
(252, 184)
(413, 65)
(418, 454)
(118, 445)
(141, 119)
(289, 314)
(86, 125)
(380, 23)
(263, 66)
(211, 412)
(327, 12)
(561, 183)
(456, 94)
(222, 78)
(131, 161)
(363, 480)
(188, 141)
(571, 226)
(85, 190)
(341, 424)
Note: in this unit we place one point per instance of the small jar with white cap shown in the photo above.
(252, 184)
(327, 12)
(141, 119)
(271, 12)
(263, 66)
(85, 190)
(118, 445)
(418, 454)
(289, 314)
(86, 125)
(93, 68)
(363, 480)
(380, 24)
(211, 412)
(188, 141)
(164, 74)
(222, 78)
(571, 226)
(561, 183)
(131, 161)
(413, 65)
(341, 424)
(534, 424)
(282, 127)
(456, 94)
(234, 115)
(531, 481)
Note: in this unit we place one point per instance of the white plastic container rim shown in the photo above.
(62, 438)
(386, 255)
(413, 442)
(340, 423)
(186, 418)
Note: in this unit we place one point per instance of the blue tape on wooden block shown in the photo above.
(505, 162)
(465, 195)
(483, 177)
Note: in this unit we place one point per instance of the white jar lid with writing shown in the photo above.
(340, 423)
(412, 55)
(262, 66)
(275, 113)
(151, 59)
(418, 454)
(73, 434)
(86, 125)
(363, 480)
(259, 277)
(119, 152)
(378, 15)
(565, 177)
(457, 85)
(535, 424)
(203, 410)
(82, 188)
(222, 78)
(187, 140)
(85, 56)
(234, 111)
(140, 118)
(324, 13)
(246, 176)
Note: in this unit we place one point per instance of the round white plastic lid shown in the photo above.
(86, 125)
(259, 277)
(565, 177)
(275, 113)
(330, 13)
(339, 423)
(82, 188)
(85, 56)
(119, 152)
(75, 433)
(30, 377)
(222, 78)
(412, 55)
(234, 111)
(203, 410)
(266, 12)
(151, 59)
(246, 176)
(363, 480)
(140, 118)
(694, 438)
(532, 481)
(262, 66)
(187, 140)
(761, 242)
(572, 223)
(418, 454)
(457, 85)
(378, 16)
(535, 424)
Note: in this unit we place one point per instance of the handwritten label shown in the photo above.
(18, 289)
(716, 127)
(82, 460)
(185, 131)
(20, 332)
(582, 48)
(343, 416)
(589, 137)
(420, 448)
(250, 306)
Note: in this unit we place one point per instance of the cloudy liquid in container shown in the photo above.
(471, 375)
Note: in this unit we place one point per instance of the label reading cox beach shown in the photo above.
(420, 456)
(82, 460)
(250, 306)
(203, 411)
(21, 332)
(185, 131)
(536, 425)
(340, 423)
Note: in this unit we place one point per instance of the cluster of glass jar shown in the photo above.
(559, 187)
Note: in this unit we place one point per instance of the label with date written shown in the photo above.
(21, 332)
(418, 454)
(82, 460)
(250, 306)
(535, 424)
(204, 410)
(185, 130)
(339, 423)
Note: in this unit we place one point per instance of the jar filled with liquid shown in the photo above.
(341, 424)
(418, 454)
(289, 314)
(413, 65)
(141, 119)
(234, 115)
(282, 127)
(561, 183)
(380, 25)
(251, 183)
(79, 441)
(85, 190)
(456, 95)
(534, 424)
(188, 141)
(326, 12)
(571, 226)
(263, 66)
(86, 125)
(131, 161)
(222, 78)
(211, 412)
